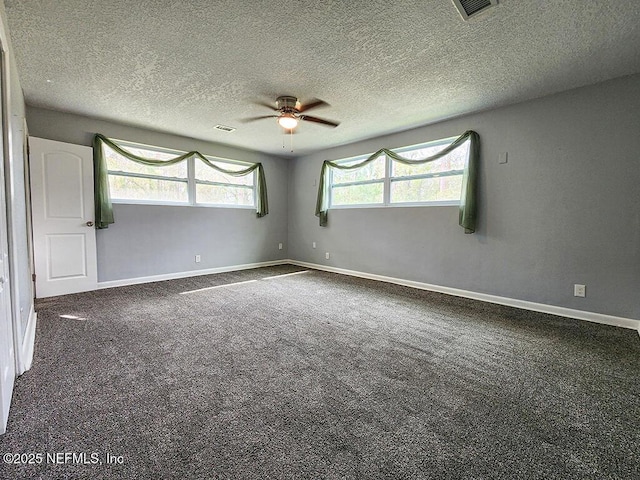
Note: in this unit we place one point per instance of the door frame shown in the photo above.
(27, 339)
(23, 341)
(10, 308)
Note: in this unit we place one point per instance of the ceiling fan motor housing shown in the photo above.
(287, 103)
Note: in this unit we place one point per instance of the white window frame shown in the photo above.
(389, 179)
(190, 180)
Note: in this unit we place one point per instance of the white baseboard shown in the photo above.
(28, 342)
(511, 302)
(192, 273)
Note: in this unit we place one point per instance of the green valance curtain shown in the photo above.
(467, 214)
(104, 209)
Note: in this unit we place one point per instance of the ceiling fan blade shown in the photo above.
(313, 103)
(319, 120)
(268, 105)
(253, 119)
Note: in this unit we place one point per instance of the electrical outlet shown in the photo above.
(279, 246)
(314, 244)
(197, 258)
(579, 290)
(326, 255)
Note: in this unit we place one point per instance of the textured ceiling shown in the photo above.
(185, 66)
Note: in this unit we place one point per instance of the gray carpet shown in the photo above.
(321, 376)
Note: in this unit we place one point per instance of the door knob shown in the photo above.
(89, 224)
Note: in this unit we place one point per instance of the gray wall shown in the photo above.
(154, 240)
(563, 210)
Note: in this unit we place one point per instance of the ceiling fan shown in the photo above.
(290, 112)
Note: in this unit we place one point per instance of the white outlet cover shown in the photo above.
(327, 255)
(314, 244)
(579, 290)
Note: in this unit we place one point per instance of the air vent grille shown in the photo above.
(224, 128)
(471, 8)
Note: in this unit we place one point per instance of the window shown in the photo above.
(385, 182)
(217, 188)
(361, 186)
(132, 181)
(190, 182)
(439, 181)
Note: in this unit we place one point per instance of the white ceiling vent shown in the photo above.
(472, 8)
(224, 128)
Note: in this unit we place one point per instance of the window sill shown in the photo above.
(451, 203)
(180, 204)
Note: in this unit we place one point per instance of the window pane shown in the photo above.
(454, 161)
(204, 172)
(427, 189)
(219, 195)
(116, 162)
(357, 194)
(372, 171)
(138, 188)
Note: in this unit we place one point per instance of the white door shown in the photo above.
(7, 356)
(64, 237)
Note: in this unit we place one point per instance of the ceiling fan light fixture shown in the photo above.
(288, 122)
